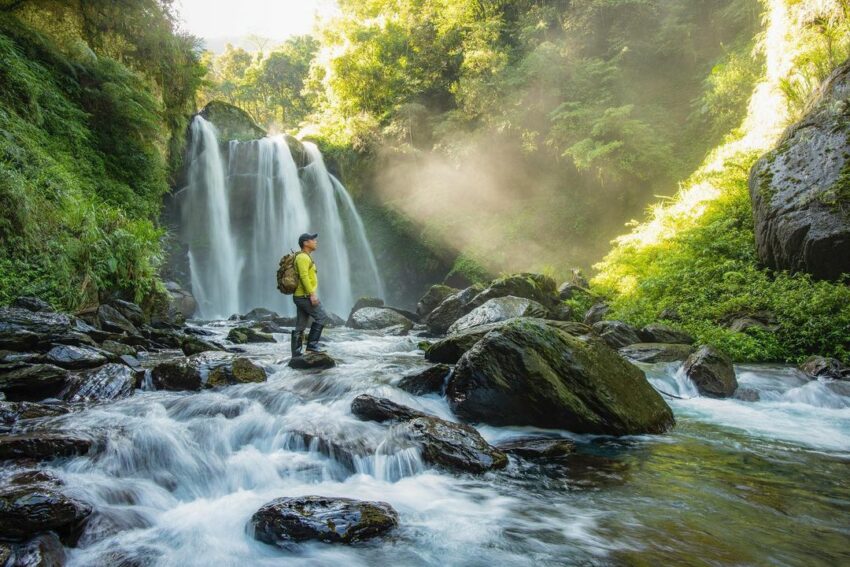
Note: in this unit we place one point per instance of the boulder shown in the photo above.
(616, 334)
(243, 335)
(374, 318)
(44, 550)
(528, 372)
(370, 408)
(428, 381)
(179, 306)
(284, 521)
(562, 312)
(244, 371)
(34, 304)
(43, 445)
(435, 295)
(450, 349)
(110, 382)
(22, 329)
(596, 313)
(312, 361)
(657, 352)
(822, 367)
(28, 510)
(12, 412)
(536, 287)
(231, 122)
(130, 311)
(176, 375)
(454, 446)
(32, 382)
(661, 333)
(360, 304)
(260, 314)
(75, 358)
(193, 345)
(118, 349)
(451, 309)
(712, 372)
(110, 319)
(800, 191)
(537, 447)
(747, 395)
(499, 309)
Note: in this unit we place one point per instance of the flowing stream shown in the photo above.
(244, 210)
(734, 483)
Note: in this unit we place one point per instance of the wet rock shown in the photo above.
(161, 338)
(451, 309)
(661, 333)
(657, 352)
(374, 318)
(34, 304)
(712, 372)
(110, 319)
(370, 408)
(75, 358)
(44, 550)
(435, 295)
(244, 371)
(43, 445)
(259, 314)
(312, 361)
(747, 395)
(243, 335)
(454, 446)
(596, 313)
(35, 476)
(118, 349)
(193, 345)
(428, 381)
(528, 372)
(22, 329)
(499, 309)
(9, 357)
(362, 303)
(110, 382)
(450, 349)
(822, 367)
(333, 520)
(28, 510)
(130, 311)
(799, 191)
(562, 312)
(176, 375)
(32, 382)
(616, 334)
(537, 447)
(345, 452)
(12, 412)
(572, 290)
(334, 320)
(180, 306)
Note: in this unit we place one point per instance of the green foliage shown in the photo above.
(708, 273)
(468, 269)
(81, 174)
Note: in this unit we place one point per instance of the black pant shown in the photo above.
(305, 310)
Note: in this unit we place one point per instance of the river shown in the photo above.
(734, 483)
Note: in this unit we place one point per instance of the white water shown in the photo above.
(239, 219)
(181, 474)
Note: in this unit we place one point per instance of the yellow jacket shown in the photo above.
(308, 281)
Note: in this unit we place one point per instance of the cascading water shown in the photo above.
(239, 219)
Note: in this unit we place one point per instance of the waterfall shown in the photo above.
(240, 218)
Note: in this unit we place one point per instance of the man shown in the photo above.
(307, 303)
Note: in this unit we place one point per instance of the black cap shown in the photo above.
(306, 236)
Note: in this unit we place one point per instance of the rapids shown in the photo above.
(734, 482)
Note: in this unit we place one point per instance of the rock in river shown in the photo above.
(374, 318)
(31, 509)
(499, 309)
(528, 372)
(312, 361)
(657, 352)
(435, 295)
(370, 408)
(176, 375)
(43, 445)
(110, 382)
(537, 447)
(242, 335)
(660, 333)
(31, 382)
(712, 372)
(284, 521)
(616, 334)
(44, 550)
(428, 381)
(75, 357)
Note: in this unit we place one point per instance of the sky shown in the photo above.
(274, 19)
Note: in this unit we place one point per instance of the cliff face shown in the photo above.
(800, 191)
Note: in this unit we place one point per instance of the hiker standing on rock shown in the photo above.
(307, 303)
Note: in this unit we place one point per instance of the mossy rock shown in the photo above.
(528, 372)
(232, 122)
(243, 335)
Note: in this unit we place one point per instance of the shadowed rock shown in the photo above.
(43, 445)
(823, 367)
(110, 319)
(12, 412)
(28, 510)
(176, 375)
(44, 550)
(32, 382)
(530, 373)
(312, 361)
(657, 352)
(428, 381)
(333, 520)
(243, 335)
(75, 358)
(537, 448)
(110, 382)
(616, 334)
(712, 372)
(435, 295)
(660, 333)
(370, 408)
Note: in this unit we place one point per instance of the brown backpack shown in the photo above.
(287, 274)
